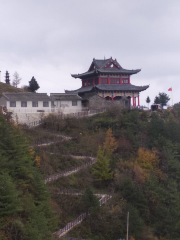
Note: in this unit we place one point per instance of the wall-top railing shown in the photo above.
(76, 114)
(56, 110)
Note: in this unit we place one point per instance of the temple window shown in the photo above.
(74, 103)
(12, 104)
(104, 80)
(114, 80)
(125, 81)
(45, 104)
(23, 104)
(90, 82)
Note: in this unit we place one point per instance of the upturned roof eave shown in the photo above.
(120, 71)
(84, 74)
(108, 87)
(107, 71)
(125, 86)
(136, 88)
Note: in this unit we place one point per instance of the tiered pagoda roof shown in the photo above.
(109, 87)
(106, 76)
(106, 66)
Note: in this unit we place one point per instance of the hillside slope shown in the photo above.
(142, 172)
(138, 163)
(25, 208)
(8, 88)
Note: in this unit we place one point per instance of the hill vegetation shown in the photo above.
(9, 88)
(25, 205)
(145, 167)
(138, 163)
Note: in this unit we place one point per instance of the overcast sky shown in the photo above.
(51, 40)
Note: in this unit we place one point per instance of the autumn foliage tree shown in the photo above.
(141, 167)
(148, 161)
(110, 143)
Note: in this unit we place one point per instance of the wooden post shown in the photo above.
(138, 100)
(127, 237)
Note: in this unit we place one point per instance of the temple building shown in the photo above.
(106, 79)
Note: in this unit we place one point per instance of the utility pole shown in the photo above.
(127, 237)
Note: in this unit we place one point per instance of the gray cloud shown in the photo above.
(51, 39)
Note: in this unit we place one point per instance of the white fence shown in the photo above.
(72, 171)
(69, 226)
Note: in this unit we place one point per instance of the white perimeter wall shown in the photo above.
(66, 106)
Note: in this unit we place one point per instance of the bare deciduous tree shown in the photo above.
(16, 80)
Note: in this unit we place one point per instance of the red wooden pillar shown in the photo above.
(129, 80)
(120, 80)
(138, 100)
(135, 101)
(99, 80)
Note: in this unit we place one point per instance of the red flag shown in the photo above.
(170, 89)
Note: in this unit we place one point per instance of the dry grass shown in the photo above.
(8, 88)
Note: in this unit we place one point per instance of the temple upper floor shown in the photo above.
(107, 71)
(103, 79)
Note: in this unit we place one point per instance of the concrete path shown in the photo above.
(54, 177)
(103, 197)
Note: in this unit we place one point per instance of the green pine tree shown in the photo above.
(101, 169)
(90, 201)
(25, 209)
(33, 85)
(148, 100)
